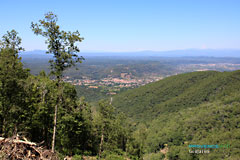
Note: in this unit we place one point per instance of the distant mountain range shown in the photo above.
(173, 53)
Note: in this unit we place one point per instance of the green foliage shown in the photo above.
(28, 103)
(113, 133)
(41, 99)
(60, 43)
(27, 107)
(210, 123)
(193, 108)
(175, 93)
(112, 156)
(154, 156)
(163, 118)
(105, 127)
(91, 94)
(77, 157)
(12, 81)
(11, 41)
(207, 124)
(75, 129)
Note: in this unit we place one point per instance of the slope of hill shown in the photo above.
(199, 108)
(175, 93)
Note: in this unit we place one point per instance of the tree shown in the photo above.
(63, 46)
(12, 79)
(41, 98)
(106, 115)
(11, 40)
(113, 130)
(75, 125)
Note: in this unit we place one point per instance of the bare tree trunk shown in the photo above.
(59, 86)
(54, 128)
(100, 147)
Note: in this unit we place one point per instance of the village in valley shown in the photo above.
(113, 84)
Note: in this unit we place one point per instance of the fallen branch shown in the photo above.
(20, 148)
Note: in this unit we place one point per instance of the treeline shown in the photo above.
(47, 111)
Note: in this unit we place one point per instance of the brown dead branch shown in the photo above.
(18, 148)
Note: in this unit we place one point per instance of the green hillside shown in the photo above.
(175, 93)
(208, 124)
(199, 108)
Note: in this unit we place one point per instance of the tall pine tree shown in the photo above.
(63, 46)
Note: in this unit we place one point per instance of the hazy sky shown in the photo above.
(130, 25)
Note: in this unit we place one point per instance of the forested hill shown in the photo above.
(199, 108)
(176, 92)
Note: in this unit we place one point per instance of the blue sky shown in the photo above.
(131, 25)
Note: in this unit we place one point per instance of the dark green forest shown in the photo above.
(200, 108)
(156, 121)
